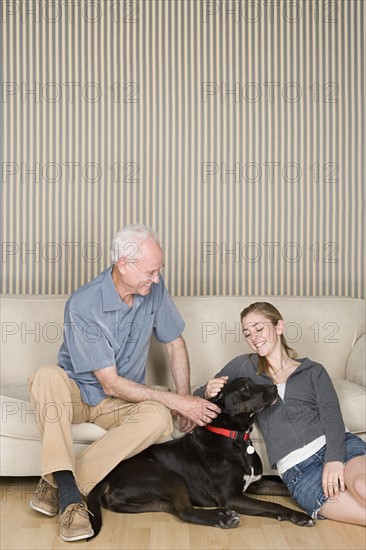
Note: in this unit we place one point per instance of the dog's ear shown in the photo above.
(219, 399)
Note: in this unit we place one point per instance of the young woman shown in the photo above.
(322, 464)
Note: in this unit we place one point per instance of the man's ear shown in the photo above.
(121, 265)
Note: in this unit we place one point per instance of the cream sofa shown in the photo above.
(329, 330)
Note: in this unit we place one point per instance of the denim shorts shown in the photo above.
(304, 480)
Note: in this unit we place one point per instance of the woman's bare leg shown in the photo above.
(350, 505)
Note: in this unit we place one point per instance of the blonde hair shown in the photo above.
(273, 315)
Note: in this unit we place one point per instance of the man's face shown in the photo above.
(142, 269)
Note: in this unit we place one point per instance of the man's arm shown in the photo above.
(195, 409)
(179, 364)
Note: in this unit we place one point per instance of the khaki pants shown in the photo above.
(131, 428)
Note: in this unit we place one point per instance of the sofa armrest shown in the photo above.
(356, 366)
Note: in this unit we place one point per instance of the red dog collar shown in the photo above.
(241, 436)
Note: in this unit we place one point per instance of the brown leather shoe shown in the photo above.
(74, 523)
(45, 499)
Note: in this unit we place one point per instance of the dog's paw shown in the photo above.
(229, 519)
(302, 519)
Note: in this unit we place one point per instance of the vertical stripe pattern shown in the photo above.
(234, 129)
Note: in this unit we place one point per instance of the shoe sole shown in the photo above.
(42, 511)
(77, 537)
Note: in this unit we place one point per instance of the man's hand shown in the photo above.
(185, 425)
(195, 410)
(333, 479)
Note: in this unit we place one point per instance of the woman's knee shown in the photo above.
(359, 488)
(355, 476)
(356, 484)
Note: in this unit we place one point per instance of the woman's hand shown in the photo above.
(214, 386)
(333, 479)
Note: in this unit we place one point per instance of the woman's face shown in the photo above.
(262, 336)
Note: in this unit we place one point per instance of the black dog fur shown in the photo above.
(202, 469)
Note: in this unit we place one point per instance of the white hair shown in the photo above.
(127, 240)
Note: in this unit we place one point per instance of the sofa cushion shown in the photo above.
(353, 404)
(356, 360)
(323, 328)
(19, 419)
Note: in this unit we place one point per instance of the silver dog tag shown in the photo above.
(250, 450)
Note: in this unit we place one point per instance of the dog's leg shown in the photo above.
(139, 485)
(215, 517)
(179, 504)
(268, 486)
(169, 494)
(254, 507)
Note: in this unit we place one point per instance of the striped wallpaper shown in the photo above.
(235, 129)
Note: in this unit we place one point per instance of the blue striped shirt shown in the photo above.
(101, 330)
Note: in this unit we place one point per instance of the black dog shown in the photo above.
(210, 467)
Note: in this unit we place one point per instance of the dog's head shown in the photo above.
(240, 399)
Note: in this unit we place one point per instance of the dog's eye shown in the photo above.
(244, 388)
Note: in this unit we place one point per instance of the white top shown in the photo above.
(301, 454)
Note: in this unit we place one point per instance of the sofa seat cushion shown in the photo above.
(355, 369)
(353, 404)
(19, 419)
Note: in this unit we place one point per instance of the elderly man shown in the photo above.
(100, 378)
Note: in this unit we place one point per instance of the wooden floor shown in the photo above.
(23, 528)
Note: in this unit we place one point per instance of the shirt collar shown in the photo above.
(111, 299)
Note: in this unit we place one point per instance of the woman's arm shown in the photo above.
(240, 366)
(332, 421)
(330, 416)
